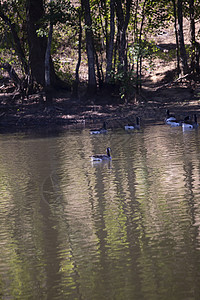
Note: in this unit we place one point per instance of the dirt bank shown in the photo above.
(151, 106)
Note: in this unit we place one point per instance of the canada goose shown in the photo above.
(101, 130)
(101, 157)
(172, 121)
(133, 126)
(190, 124)
(179, 122)
(169, 118)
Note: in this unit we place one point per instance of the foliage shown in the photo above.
(125, 82)
(158, 14)
(147, 18)
(63, 72)
(59, 11)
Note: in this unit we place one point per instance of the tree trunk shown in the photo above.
(110, 46)
(120, 19)
(123, 21)
(37, 44)
(92, 85)
(76, 82)
(13, 75)
(197, 54)
(47, 57)
(183, 56)
(48, 87)
(192, 35)
(176, 36)
(139, 54)
(99, 73)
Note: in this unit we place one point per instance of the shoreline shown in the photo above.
(66, 111)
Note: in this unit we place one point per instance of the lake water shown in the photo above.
(126, 229)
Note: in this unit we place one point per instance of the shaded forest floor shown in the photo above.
(160, 91)
(151, 106)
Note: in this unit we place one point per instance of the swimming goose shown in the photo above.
(179, 122)
(102, 157)
(169, 118)
(133, 126)
(172, 121)
(189, 124)
(101, 130)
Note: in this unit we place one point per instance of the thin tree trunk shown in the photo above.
(92, 85)
(183, 56)
(111, 42)
(139, 55)
(115, 52)
(47, 57)
(123, 21)
(135, 24)
(120, 18)
(100, 79)
(140, 74)
(135, 31)
(126, 22)
(76, 82)
(197, 54)
(192, 35)
(48, 87)
(13, 75)
(104, 20)
(176, 36)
